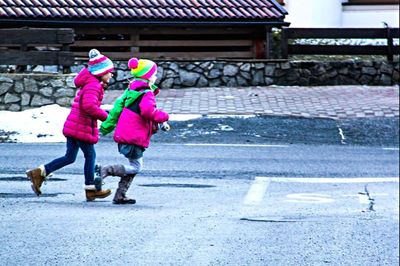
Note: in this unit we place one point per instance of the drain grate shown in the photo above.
(175, 185)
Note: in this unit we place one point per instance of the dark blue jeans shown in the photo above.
(73, 146)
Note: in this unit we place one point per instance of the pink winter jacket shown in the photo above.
(81, 122)
(137, 129)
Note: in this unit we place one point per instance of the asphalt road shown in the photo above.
(223, 198)
(221, 161)
(202, 222)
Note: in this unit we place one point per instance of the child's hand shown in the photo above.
(165, 126)
(155, 128)
(104, 85)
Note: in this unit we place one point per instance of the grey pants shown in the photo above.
(134, 167)
(134, 154)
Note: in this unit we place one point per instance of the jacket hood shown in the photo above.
(138, 83)
(84, 77)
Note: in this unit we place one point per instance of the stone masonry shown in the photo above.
(24, 91)
(175, 75)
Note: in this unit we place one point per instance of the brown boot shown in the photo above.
(92, 194)
(114, 170)
(123, 186)
(37, 176)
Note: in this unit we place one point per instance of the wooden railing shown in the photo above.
(121, 43)
(339, 33)
(36, 46)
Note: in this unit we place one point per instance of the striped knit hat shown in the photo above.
(142, 68)
(99, 65)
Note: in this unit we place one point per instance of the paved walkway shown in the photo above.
(325, 102)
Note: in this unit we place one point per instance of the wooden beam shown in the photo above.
(36, 58)
(167, 30)
(173, 55)
(374, 2)
(335, 33)
(192, 43)
(340, 49)
(105, 43)
(36, 36)
(160, 43)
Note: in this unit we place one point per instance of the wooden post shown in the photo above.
(66, 69)
(21, 68)
(284, 44)
(135, 45)
(258, 49)
(389, 44)
(268, 42)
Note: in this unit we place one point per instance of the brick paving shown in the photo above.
(336, 102)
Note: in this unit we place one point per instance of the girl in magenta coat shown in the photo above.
(80, 127)
(135, 118)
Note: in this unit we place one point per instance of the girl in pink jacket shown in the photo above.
(135, 118)
(80, 128)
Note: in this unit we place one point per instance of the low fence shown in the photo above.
(35, 46)
(339, 33)
(24, 91)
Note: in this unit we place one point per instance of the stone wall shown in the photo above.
(23, 91)
(239, 74)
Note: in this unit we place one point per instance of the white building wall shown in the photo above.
(370, 16)
(331, 13)
(314, 13)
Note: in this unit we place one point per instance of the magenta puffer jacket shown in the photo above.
(136, 129)
(81, 122)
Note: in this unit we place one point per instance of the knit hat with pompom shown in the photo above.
(99, 65)
(142, 68)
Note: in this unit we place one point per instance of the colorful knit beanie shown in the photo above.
(142, 68)
(99, 65)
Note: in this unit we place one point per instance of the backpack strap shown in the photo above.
(134, 107)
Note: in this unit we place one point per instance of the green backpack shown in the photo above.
(125, 100)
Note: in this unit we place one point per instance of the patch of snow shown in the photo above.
(224, 127)
(42, 124)
(106, 107)
(344, 41)
(183, 117)
(230, 116)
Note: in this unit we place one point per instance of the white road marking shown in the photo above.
(259, 187)
(309, 198)
(236, 145)
(371, 194)
(331, 180)
(363, 199)
(342, 137)
(390, 149)
(256, 192)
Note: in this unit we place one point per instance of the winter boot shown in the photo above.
(98, 181)
(92, 193)
(113, 170)
(37, 176)
(123, 186)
